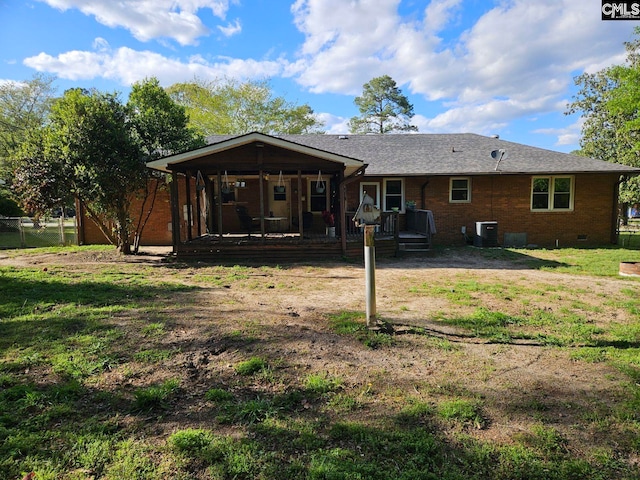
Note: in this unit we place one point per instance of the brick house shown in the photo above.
(445, 189)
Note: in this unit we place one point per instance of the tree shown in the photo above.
(161, 127)
(24, 107)
(610, 104)
(383, 108)
(229, 107)
(95, 148)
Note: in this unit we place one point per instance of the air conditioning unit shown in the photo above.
(486, 234)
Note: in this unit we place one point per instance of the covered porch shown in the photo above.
(261, 196)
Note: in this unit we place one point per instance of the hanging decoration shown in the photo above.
(226, 188)
(280, 186)
(320, 186)
(201, 188)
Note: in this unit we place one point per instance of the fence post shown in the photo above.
(61, 225)
(23, 242)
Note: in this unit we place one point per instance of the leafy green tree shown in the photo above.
(24, 107)
(383, 108)
(609, 101)
(95, 148)
(229, 107)
(8, 206)
(160, 127)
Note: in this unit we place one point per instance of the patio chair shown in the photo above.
(307, 223)
(246, 220)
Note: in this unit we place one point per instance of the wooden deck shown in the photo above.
(280, 247)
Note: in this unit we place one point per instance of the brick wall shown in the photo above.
(503, 199)
(506, 200)
(157, 230)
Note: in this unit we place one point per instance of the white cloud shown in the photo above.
(231, 28)
(333, 124)
(150, 19)
(517, 60)
(568, 135)
(101, 44)
(438, 14)
(343, 40)
(127, 66)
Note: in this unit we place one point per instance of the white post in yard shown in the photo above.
(370, 272)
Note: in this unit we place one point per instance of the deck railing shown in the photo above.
(389, 225)
(418, 221)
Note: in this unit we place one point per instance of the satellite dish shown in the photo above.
(501, 154)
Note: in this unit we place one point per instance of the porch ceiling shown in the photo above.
(254, 152)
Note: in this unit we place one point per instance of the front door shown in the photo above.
(279, 205)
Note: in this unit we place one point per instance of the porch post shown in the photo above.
(300, 222)
(189, 215)
(342, 192)
(261, 179)
(175, 212)
(219, 183)
(260, 161)
(198, 210)
(209, 210)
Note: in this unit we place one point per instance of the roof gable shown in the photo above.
(222, 146)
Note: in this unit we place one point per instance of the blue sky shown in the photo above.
(501, 67)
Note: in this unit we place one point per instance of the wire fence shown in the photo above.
(25, 232)
(629, 233)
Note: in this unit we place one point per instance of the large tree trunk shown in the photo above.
(124, 242)
(144, 215)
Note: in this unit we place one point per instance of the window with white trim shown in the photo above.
(318, 195)
(460, 190)
(552, 193)
(393, 195)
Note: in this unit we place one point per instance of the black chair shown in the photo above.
(307, 220)
(246, 220)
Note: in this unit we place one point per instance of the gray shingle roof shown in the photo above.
(449, 154)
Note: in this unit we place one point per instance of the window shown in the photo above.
(393, 195)
(228, 194)
(279, 193)
(318, 195)
(460, 190)
(552, 193)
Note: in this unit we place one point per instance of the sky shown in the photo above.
(491, 67)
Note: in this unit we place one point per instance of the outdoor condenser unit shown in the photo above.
(486, 234)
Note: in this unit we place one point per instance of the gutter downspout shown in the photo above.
(423, 200)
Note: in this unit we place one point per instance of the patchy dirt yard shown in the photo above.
(281, 313)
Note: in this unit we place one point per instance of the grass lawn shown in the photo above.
(139, 368)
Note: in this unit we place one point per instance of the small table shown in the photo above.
(273, 223)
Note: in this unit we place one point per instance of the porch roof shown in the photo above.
(257, 151)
